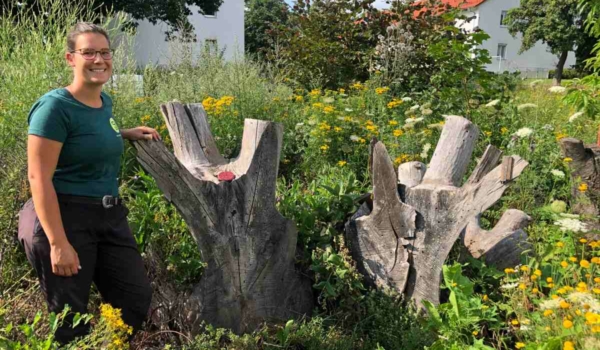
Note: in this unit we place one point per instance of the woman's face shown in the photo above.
(96, 71)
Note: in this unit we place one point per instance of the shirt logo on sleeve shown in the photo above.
(114, 125)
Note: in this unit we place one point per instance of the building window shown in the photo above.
(210, 14)
(503, 18)
(501, 51)
(211, 45)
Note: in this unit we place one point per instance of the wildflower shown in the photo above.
(357, 86)
(557, 89)
(145, 119)
(298, 98)
(342, 163)
(560, 244)
(538, 272)
(569, 224)
(488, 133)
(526, 106)
(549, 279)
(560, 136)
(535, 290)
(514, 322)
(519, 345)
(585, 264)
(568, 160)
(568, 346)
(492, 103)
(534, 277)
(328, 109)
(509, 270)
(522, 286)
(427, 111)
(573, 259)
(597, 279)
(393, 122)
(475, 333)
(354, 138)
(398, 132)
(406, 99)
(342, 91)
(361, 140)
(324, 148)
(503, 130)
(575, 116)
(567, 323)
(337, 129)
(524, 268)
(550, 304)
(315, 93)
(382, 90)
(564, 305)
(581, 287)
(548, 312)
(414, 108)
(509, 286)
(558, 173)
(523, 132)
(485, 297)
(583, 187)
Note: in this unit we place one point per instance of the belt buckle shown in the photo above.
(107, 202)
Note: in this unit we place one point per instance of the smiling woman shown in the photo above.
(74, 229)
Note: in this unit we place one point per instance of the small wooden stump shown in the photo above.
(585, 168)
(403, 241)
(229, 206)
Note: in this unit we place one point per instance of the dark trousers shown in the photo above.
(108, 256)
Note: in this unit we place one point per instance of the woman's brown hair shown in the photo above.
(82, 28)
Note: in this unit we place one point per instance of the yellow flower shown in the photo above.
(564, 264)
(560, 244)
(560, 136)
(488, 133)
(583, 240)
(485, 297)
(315, 92)
(564, 305)
(342, 91)
(519, 345)
(524, 268)
(503, 130)
(537, 273)
(581, 287)
(585, 264)
(596, 260)
(298, 98)
(484, 307)
(596, 290)
(573, 259)
(324, 148)
(567, 323)
(337, 129)
(371, 127)
(522, 286)
(145, 119)
(357, 86)
(549, 280)
(554, 296)
(568, 346)
(454, 284)
(475, 333)
(328, 109)
(393, 122)
(515, 322)
(548, 312)
(534, 277)
(398, 132)
(509, 270)
(535, 290)
(597, 279)
(561, 291)
(583, 187)
(394, 103)
(568, 160)
(342, 163)
(361, 140)
(382, 90)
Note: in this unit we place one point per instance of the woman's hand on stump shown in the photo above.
(140, 133)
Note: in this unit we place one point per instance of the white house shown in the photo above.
(504, 49)
(224, 30)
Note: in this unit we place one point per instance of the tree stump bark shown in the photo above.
(249, 248)
(585, 168)
(403, 241)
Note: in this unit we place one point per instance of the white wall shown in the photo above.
(227, 27)
(535, 62)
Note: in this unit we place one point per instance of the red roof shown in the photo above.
(464, 4)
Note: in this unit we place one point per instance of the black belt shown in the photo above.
(106, 201)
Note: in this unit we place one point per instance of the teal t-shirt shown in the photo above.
(90, 157)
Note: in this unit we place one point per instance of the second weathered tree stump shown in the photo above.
(404, 240)
(249, 248)
(585, 169)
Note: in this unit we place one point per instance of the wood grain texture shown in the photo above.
(585, 168)
(433, 209)
(249, 248)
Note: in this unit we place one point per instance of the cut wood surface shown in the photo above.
(403, 241)
(249, 248)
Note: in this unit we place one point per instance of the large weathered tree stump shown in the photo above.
(249, 248)
(585, 168)
(404, 239)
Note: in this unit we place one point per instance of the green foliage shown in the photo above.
(328, 44)
(259, 21)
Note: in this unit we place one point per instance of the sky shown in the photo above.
(378, 3)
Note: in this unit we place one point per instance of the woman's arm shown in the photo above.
(42, 157)
(140, 133)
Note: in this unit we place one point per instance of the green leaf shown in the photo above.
(455, 305)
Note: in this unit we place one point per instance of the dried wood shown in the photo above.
(249, 248)
(442, 210)
(585, 168)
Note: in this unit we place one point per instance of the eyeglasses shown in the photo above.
(89, 54)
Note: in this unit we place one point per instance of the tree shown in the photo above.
(172, 12)
(261, 17)
(557, 23)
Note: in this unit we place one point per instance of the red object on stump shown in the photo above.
(226, 176)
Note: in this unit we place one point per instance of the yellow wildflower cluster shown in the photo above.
(560, 135)
(394, 103)
(216, 107)
(382, 90)
(315, 93)
(145, 119)
(115, 327)
(403, 158)
(358, 86)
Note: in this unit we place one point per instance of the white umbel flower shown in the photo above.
(535, 83)
(354, 138)
(557, 89)
(426, 111)
(526, 106)
(575, 116)
(573, 225)
(414, 108)
(406, 99)
(558, 173)
(523, 132)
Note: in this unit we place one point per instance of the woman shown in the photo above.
(75, 228)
